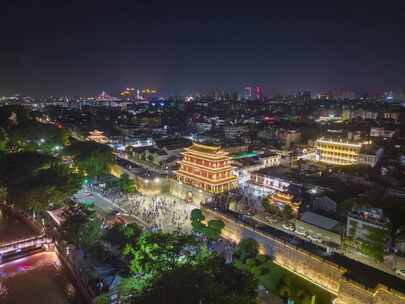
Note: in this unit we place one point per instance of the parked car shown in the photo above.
(314, 238)
(270, 219)
(301, 232)
(400, 272)
(289, 227)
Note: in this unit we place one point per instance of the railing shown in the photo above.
(36, 241)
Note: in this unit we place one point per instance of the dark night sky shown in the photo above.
(83, 47)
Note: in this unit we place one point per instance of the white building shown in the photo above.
(382, 132)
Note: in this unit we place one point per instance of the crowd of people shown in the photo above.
(160, 211)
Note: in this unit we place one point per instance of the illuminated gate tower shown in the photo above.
(207, 168)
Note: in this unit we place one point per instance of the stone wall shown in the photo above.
(315, 269)
(187, 192)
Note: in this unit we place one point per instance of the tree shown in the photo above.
(287, 213)
(394, 210)
(246, 249)
(121, 235)
(270, 208)
(91, 158)
(351, 204)
(213, 281)
(3, 139)
(126, 184)
(81, 226)
(374, 243)
(16, 167)
(294, 290)
(34, 136)
(158, 252)
(213, 228)
(197, 218)
(53, 185)
(34, 180)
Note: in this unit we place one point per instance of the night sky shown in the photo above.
(180, 47)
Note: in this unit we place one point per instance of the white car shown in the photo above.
(288, 227)
(400, 272)
(314, 238)
(301, 232)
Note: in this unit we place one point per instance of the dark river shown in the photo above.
(11, 228)
(37, 279)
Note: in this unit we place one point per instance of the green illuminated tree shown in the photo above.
(158, 252)
(126, 184)
(246, 249)
(197, 218)
(121, 235)
(213, 228)
(213, 281)
(91, 158)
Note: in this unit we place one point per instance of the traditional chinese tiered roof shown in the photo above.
(207, 168)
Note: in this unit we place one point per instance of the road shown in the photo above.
(104, 206)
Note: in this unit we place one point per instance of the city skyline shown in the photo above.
(81, 49)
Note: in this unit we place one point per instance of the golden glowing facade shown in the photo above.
(281, 199)
(337, 152)
(207, 168)
(97, 136)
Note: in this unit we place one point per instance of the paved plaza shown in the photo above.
(164, 212)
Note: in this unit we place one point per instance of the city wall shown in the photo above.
(315, 269)
(187, 193)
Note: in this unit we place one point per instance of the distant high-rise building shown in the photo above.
(128, 93)
(303, 95)
(253, 92)
(105, 97)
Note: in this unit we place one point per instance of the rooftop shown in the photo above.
(320, 221)
(278, 172)
(205, 148)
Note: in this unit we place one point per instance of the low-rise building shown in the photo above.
(270, 179)
(235, 131)
(382, 132)
(338, 152)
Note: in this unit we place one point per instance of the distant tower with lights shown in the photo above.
(97, 136)
(253, 92)
(206, 168)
